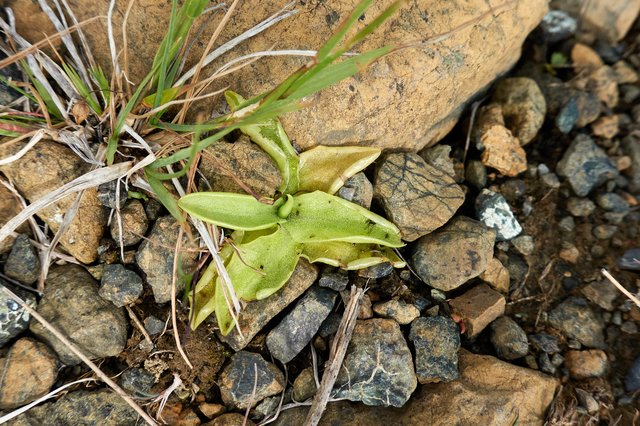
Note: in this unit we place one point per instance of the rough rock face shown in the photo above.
(431, 84)
(378, 369)
(9, 207)
(46, 167)
(489, 392)
(71, 304)
(416, 196)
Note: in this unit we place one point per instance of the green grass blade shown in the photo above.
(326, 50)
(164, 196)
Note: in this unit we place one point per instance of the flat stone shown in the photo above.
(27, 372)
(71, 303)
(416, 196)
(585, 165)
(586, 364)
(451, 256)
(630, 260)
(237, 381)
(120, 285)
(46, 167)
(137, 381)
(375, 272)
(602, 293)
(545, 343)
(398, 310)
(297, 329)
(494, 212)
(477, 308)
(496, 275)
(357, 189)
(134, 224)
(155, 257)
(225, 164)
(257, 314)
(14, 319)
(333, 278)
(488, 392)
(304, 386)
(509, 339)
(378, 368)
(578, 321)
(153, 325)
(436, 341)
(523, 106)
(96, 407)
(23, 263)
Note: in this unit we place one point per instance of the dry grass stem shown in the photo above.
(113, 385)
(139, 325)
(619, 286)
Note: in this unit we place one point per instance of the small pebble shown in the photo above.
(612, 202)
(567, 224)
(545, 364)
(398, 310)
(587, 401)
(524, 244)
(586, 364)
(604, 232)
(333, 278)
(580, 207)
(153, 325)
(550, 180)
(632, 379)
(23, 263)
(508, 339)
(120, 285)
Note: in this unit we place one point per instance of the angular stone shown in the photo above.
(625, 74)
(602, 293)
(155, 257)
(489, 392)
(496, 275)
(437, 341)
(378, 369)
(451, 256)
(102, 407)
(416, 196)
(606, 127)
(501, 150)
(357, 189)
(610, 18)
(335, 279)
(27, 372)
(120, 285)
(71, 303)
(112, 194)
(494, 212)
(23, 263)
(509, 339)
(585, 165)
(257, 314)
(545, 343)
(304, 386)
(46, 167)
(523, 106)
(578, 321)
(237, 381)
(477, 308)
(14, 319)
(586, 364)
(585, 59)
(297, 329)
(134, 224)
(398, 310)
(211, 410)
(438, 157)
(226, 164)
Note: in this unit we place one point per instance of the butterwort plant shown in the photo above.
(306, 220)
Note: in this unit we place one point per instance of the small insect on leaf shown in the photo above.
(326, 168)
(318, 217)
(229, 210)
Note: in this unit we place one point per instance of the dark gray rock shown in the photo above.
(567, 224)
(580, 207)
(585, 165)
(612, 202)
(558, 25)
(436, 340)
(545, 363)
(545, 343)
(568, 116)
(493, 210)
(578, 321)
(248, 379)
(71, 303)
(631, 146)
(416, 196)
(10, 72)
(438, 157)
(378, 369)
(509, 339)
(82, 408)
(23, 263)
(134, 224)
(119, 285)
(357, 189)
(153, 325)
(138, 381)
(330, 325)
(630, 260)
(156, 256)
(333, 278)
(476, 174)
(375, 272)
(632, 379)
(297, 329)
(14, 319)
(107, 194)
(451, 256)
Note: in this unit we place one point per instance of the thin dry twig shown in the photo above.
(174, 320)
(619, 286)
(139, 325)
(113, 385)
(336, 356)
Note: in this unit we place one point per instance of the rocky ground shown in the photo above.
(501, 317)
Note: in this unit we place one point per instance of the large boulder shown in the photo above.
(409, 99)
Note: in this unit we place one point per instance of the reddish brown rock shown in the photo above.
(477, 308)
(586, 364)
